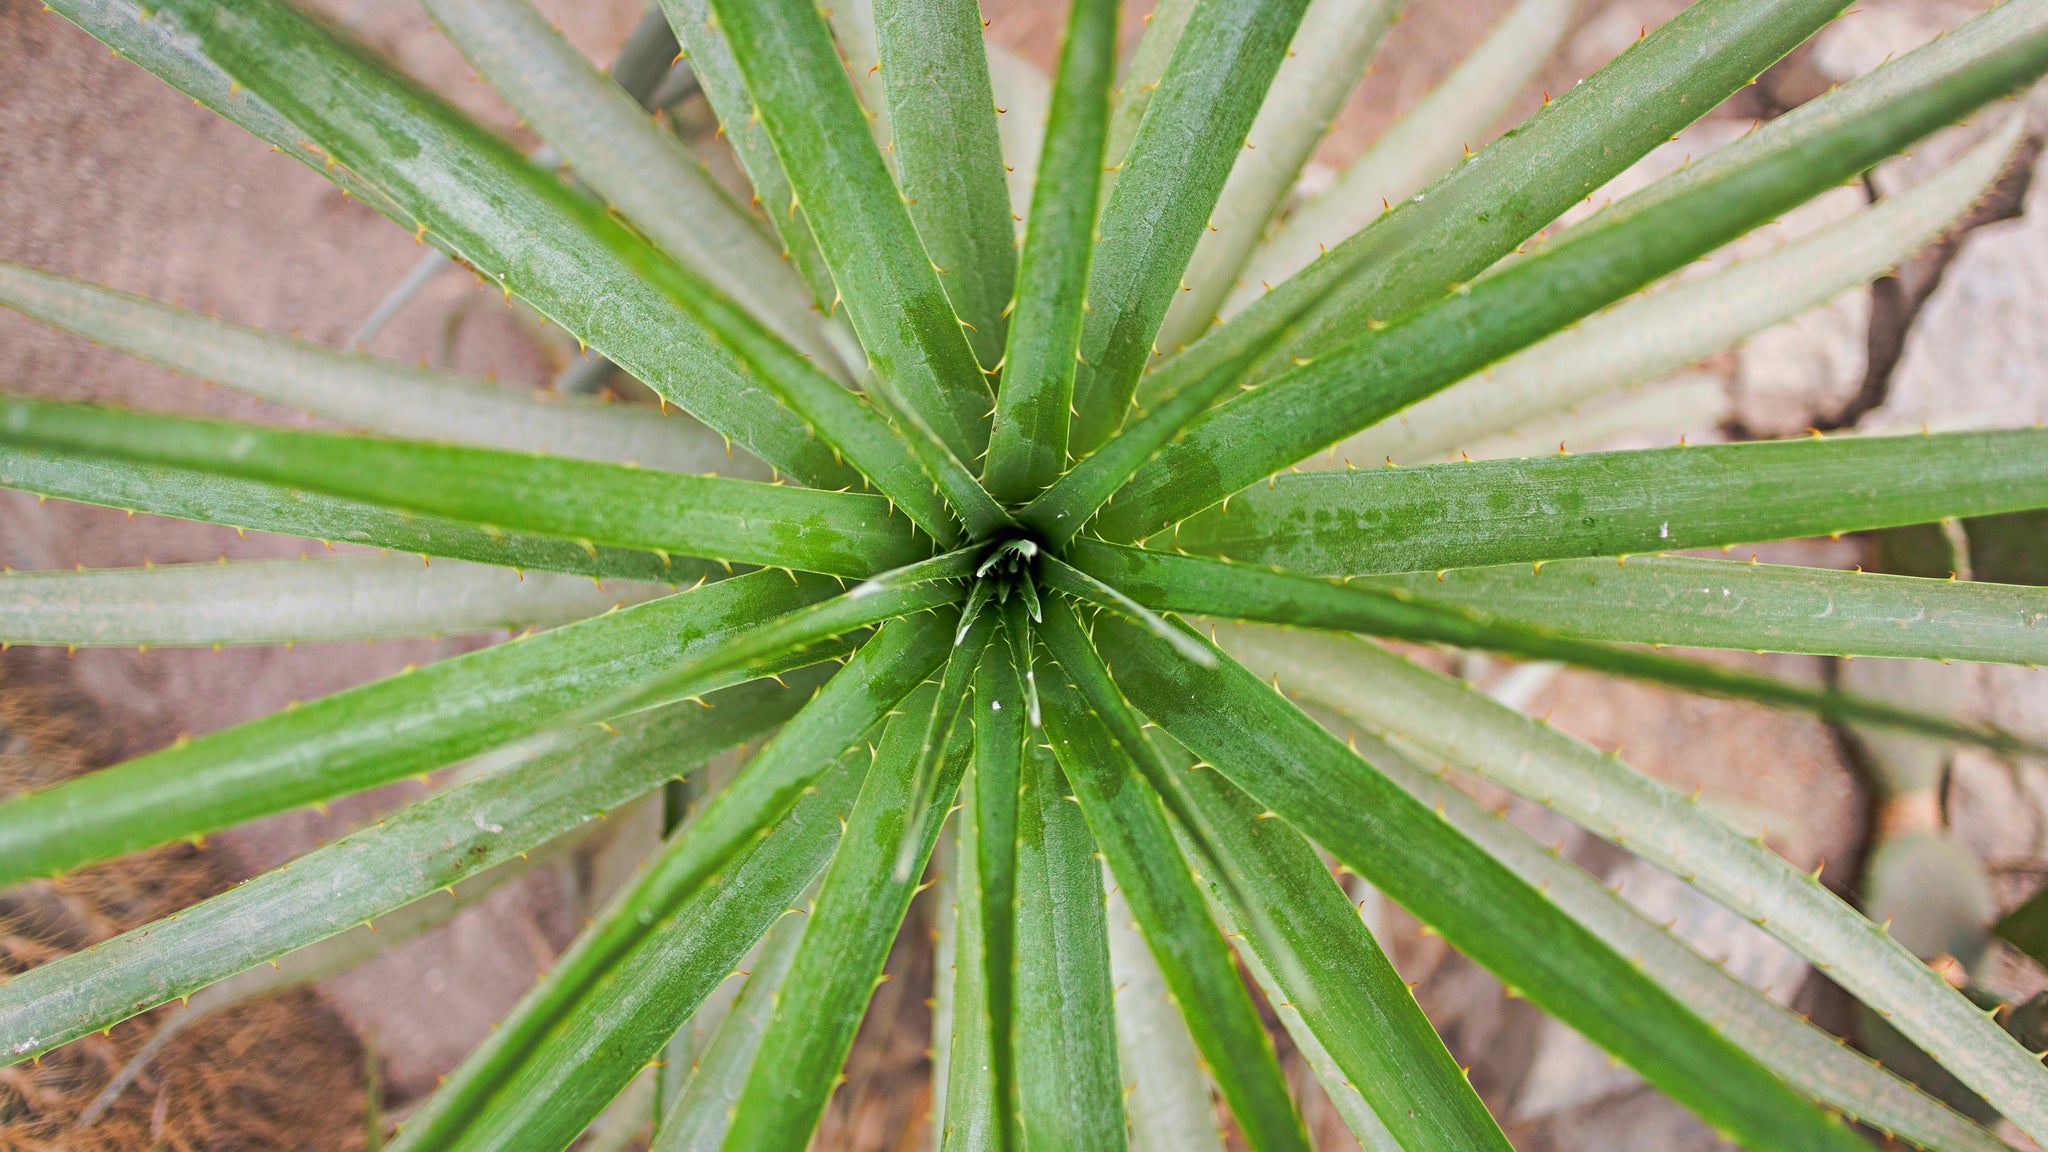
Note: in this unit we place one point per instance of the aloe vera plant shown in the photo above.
(951, 573)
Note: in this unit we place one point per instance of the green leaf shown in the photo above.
(970, 637)
(288, 601)
(1477, 213)
(1291, 766)
(215, 499)
(1357, 523)
(1058, 574)
(1334, 974)
(1607, 797)
(362, 391)
(1149, 58)
(949, 158)
(1328, 54)
(521, 227)
(636, 165)
(1195, 586)
(1641, 340)
(402, 726)
(1098, 748)
(1755, 607)
(582, 1065)
(1427, 141)
(924, 370)
(1069, 1090)
(853, 23)
(1351, 1107)
(1811, 1059)
(1376, 375)
(1000, 737)
(972, 1110)
(920, 587)
(578, 500)
(853, 924)
(554, 788)
(711, 59)
(699, 1118)
(1668, 79)
(517, 1081)
(1194, 127)
(1028, 445)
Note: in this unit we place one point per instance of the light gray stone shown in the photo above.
(1978, 352)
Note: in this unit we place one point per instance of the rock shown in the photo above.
(1791, 377)
(1880, 30)
(1644, 1118)
(1612, 29)
(1977, 355)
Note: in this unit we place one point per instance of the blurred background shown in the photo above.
(108, 174)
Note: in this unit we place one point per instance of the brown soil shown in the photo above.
(279, 1073)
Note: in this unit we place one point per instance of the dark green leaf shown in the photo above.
(1195, 125)
(1028, 446)
(1195, 586)
(1069, 1090)
(2026, 927)
(2010, 549)
(576, 500)
(385, 731)
(853, 924)
(1356, 523)
(1291, 766)
(1099, 754)
(496, 1092)
(405, 857)
(949, 160)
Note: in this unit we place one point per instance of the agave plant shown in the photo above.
(1002, 472)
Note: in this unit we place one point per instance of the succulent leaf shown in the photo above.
(1194, 126)
(949, 157)
(293, 601)
(1028, 441)
(389, 729)
(552, 789)
(576, 500)
(1609, 798)
(365, 392)
(1696, 603)
(626, 158)
(1287, 763)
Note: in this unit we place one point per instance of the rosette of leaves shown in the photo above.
(992, 501)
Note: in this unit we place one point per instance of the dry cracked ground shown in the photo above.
(107, 174)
